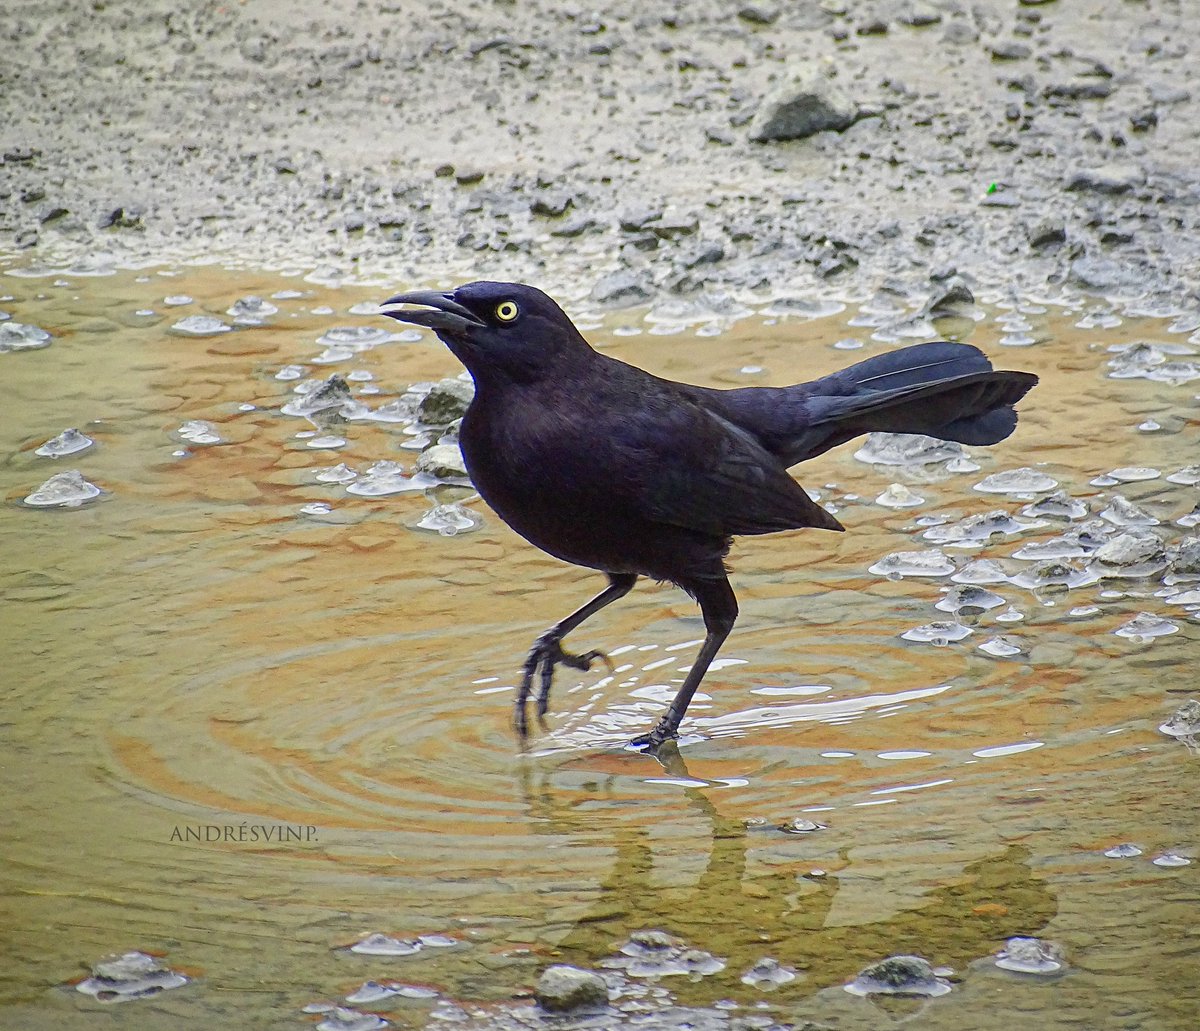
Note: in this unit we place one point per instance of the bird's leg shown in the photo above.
(547, 651)
(720, 609)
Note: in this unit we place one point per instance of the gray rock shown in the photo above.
(955, 298)
(1111, 179)
(445, 402)
(468, 175)
(959, 33)
(919, 15)
(442, 460)
(669, 228)
(636, 220)
(1048, 234)
(563, 988)
(1104, 274)
(806, 103)
(1009, 51)
(552, 204)
(577, 225)
(759, 13)
(1079, 89)
(621, 287)
(704, 253)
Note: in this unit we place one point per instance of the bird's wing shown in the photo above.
(691, 467)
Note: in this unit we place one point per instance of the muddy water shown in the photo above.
(194, 665)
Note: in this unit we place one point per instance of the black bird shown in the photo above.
(607, 466)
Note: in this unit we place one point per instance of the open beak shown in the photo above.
(440, 311)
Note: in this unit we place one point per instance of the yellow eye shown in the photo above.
(506, 311)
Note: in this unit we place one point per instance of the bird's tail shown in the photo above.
(944, 390)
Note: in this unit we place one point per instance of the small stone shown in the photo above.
(806, 103)
(442, 460)
(553, 204)
(759, 13)
(919, 15)
(562, 988)
(623, 287)
(1108, 179)
(446, 401)
(637, 219)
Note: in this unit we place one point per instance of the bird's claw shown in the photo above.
(664, 731)
(546, 653)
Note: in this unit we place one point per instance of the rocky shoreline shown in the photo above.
(626, 156)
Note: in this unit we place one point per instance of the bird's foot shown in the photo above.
(665, 730)
(546, 653)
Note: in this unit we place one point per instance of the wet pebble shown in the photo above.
(21, 336)
(355, 339)
(940, 632)
(388, 477)
(1134, 474)
(1055, 574)
(342, 1019)
(1030, 956)
(63, 490)
(656, 954)
(969, 596)
(1188, 476)
(981, 571)
(444, 461)
(1059, 505)
(448, 521)
(1135, 553)
(1016, 481)
(1171, 860)
(1001, 646)
(1054, 548)
(251, 308)
(324, 403)
(913, 563)
(385, 945)
(562, 988)
(369, 992)
(899, 496)
(69, 442)
(446, 401)
(801, 825)
(906, 449)
(1122, 512)
(1184, 721)
(1146, 625)
(199, 326)
(340, 473)
(899, 975)
(197, 431)
(978, 528)
(133, 975)
(767, 974)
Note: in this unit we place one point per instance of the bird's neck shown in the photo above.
(523, 369)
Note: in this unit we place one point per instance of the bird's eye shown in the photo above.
(506, 311)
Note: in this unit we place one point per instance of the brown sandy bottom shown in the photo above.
(193, 649)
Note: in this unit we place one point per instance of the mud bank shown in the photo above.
(1018, 144)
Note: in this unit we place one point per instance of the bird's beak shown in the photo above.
(441, 311)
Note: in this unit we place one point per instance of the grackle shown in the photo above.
(607, 466)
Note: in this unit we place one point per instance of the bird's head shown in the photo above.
(507, 329)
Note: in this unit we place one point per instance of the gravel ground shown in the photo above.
(610, 153)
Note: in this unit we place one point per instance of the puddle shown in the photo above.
(244, 727)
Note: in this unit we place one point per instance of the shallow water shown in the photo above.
(192, 650)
